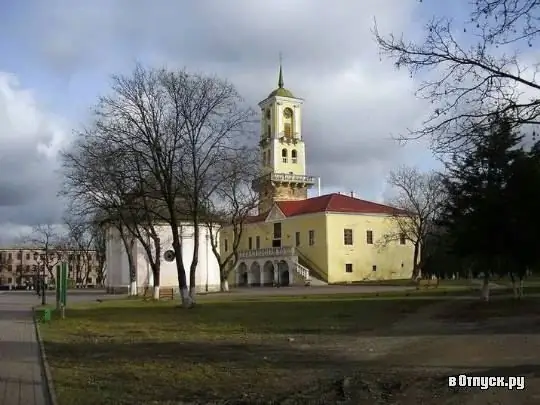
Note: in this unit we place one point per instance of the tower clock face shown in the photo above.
(287, 113)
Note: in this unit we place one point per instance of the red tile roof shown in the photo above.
(334, 203)
(329, 203)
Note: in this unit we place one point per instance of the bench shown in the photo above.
(166, 293)
(426, 283)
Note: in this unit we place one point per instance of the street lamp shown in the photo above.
(43, 288)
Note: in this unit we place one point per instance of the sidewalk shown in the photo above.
(21, 381)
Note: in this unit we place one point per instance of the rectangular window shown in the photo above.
(10, 267)
(9, 256)
(348, 267)
(28, 268)
(369, 237)
(276, 242)
(297, 238)
(288, 129)
(250, 243)
(277, 230)
(9, 280)
(89, 280)
(347, 237)
(19, 255)
(257, 242)
(284, 159)
(374, 268)
(19, 267)
(311, 238)
(402, 238)
(28, 256)
(226, 245)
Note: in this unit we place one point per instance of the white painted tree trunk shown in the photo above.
(193, 295)
(485, 289)
(133, 289)
(520, 288)
(515, 288)
(156, 292)
(225, 286)
(186, 299)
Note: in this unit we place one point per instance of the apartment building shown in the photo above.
(21, 266)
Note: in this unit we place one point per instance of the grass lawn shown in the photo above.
(243, 351)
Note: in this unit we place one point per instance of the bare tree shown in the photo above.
(100, 240)
(82, 239)
(48, 244)
(178, 127)
(469, 86)
(96, 182)
(228, 212)
(418, 199)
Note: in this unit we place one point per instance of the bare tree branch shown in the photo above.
(470, 86)
(418, 197)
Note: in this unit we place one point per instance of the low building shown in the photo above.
(118, 278)
(19, 267)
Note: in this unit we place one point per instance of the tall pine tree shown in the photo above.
(474, 213)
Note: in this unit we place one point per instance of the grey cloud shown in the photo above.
(353, 103)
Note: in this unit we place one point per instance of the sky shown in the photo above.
(58, 56)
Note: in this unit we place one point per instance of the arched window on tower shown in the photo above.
(288, 122)
(294, 156)
(284, 155)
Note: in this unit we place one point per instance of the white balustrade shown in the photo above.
(267, 252)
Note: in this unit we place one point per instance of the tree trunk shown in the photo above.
(520, 294)
(193, 294)
(416, 269)
(132, 288)
(225, 285)
(156, 267)
(182, 282)
(485, 287)
(514, 286)
(194, 263)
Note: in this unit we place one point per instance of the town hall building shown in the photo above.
(333, 238)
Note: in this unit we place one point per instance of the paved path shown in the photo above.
(21, 381)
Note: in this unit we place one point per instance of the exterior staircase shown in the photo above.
(311, 277)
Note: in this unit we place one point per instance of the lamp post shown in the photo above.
(43, 288)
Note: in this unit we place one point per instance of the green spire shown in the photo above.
(280, 79)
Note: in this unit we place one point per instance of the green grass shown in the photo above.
(134, 352)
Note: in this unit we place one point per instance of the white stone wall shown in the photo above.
(207, 273)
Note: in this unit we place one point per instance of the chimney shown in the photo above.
(352, 194)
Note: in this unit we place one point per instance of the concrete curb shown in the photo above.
(50, 392)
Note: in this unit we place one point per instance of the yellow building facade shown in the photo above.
(294, 239)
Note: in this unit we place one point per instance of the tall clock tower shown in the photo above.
(282, 150)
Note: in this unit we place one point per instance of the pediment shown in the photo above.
(275, 214)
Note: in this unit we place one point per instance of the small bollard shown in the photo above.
(46, 316)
